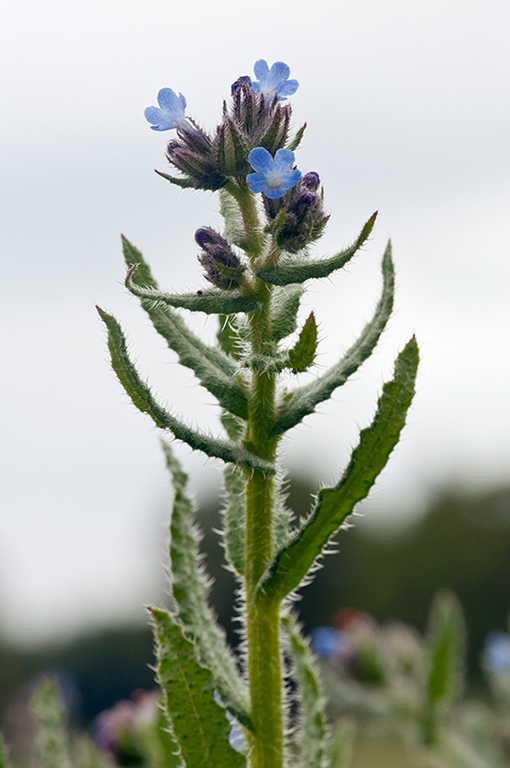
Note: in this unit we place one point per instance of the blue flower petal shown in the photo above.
(169, 100)
(260, 159)
(283, 157)
(261, 69)
(278, 74)
(170, 113)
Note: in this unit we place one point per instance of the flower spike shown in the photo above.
(170, 113)
(273, 177)
(273, 82)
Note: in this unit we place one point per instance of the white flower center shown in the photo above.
(274, 178)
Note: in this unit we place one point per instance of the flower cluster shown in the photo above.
(222, 267)
(255, 119)
(304, 219)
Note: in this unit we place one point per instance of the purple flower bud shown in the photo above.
(222, 267)
(242, 81)
(311, 180)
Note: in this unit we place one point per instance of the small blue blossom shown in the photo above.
(273, 177)
(170, 113)
(275, 81)
(496, 655)
(327, 642)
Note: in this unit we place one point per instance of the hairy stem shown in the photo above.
(263, 616)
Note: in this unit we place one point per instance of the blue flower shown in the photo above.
(327, 642)
(275, 81)
(273, 177)
(497, 652)
(170, 113)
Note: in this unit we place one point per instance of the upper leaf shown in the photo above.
(304, 400)
(212, 301)
(302, 354)
(298, 270)
(293, 562)
(200, 724)
(143, 399)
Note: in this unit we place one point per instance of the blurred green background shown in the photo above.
(462, 542)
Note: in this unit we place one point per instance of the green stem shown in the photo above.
(263, 615)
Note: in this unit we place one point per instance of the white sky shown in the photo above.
(408, 112)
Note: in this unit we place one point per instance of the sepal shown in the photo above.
(285, 309)
(299, 270)
(293, 562)
(211, 301)
(199, 723)
(296, 141)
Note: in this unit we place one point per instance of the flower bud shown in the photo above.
(304, 219)
(222, 267)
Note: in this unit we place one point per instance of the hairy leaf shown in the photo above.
(298, 270)
(340, 745)
(212, 301)
(313, 731)
(234, 516)
(143, 399)
(51, 741)
(285, 308)
(445, 653)
(302, 354)
(200, 724)
(304, 400)
(190, 589)
(293, 562)
(234, 227)
(296, 141)
(211, 366)
(183, 183)
(4, 754)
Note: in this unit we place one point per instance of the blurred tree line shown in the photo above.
(461, 543)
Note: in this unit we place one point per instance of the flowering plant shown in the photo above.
(220, 710)
(257, 267)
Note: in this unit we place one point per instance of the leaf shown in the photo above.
(302, 354)
(234, 516)
(304, 400)
(228, 337)
(157, 742)
(285, 308)
(212, 301)
(445, 652)
(313, 730)
(200, 724)
(51, 740)
(298, 270)
(4, 754)
(234, 227)
(190, 589)
(183, 183)
(296, 141)
(143, 399)
(369, 458)
(340, 745)
(213, 368)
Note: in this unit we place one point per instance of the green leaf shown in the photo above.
(340, 745)
(298, 270)
(304, 400)
(302, 354)
(313, 731)
(285, 308)
(229, 338)
(52, 740)
(183, 183)
(190, 587)
(210, 365)
(200, 724)
(212, 301)
(158, 743)
(296, 141)
(234, 227)
(4, 754)
(293, 562)
(445, 661)
(143, 399)
(234, 516)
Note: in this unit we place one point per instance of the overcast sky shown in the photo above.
(408, 112)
